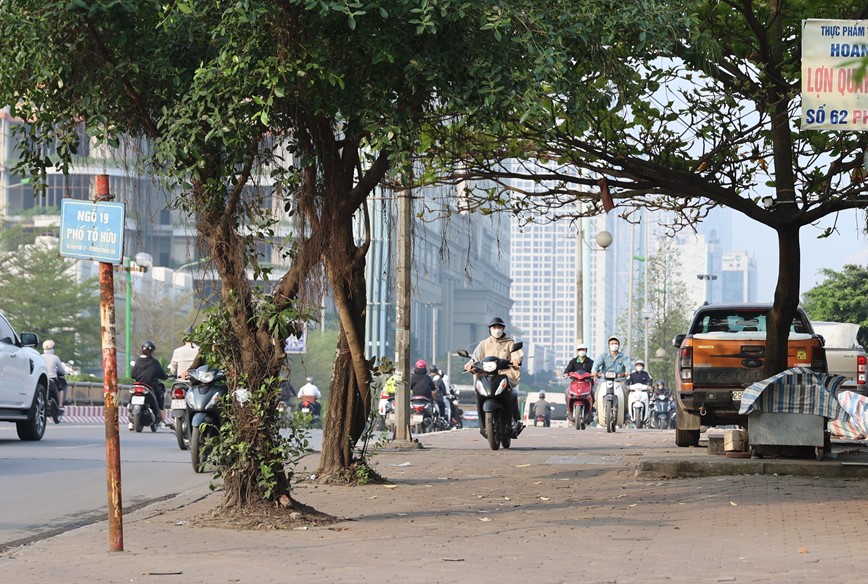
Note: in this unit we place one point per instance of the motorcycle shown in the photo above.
(639, 403)
(203, 411)
(311, 412)
(494, 388)
(610, 400)
(179, 413)
(422, 414)
(580, 399)
(386, 411)
(455, 411)
(54, 407)
(141, 411)
(546, 420)
(660, 410)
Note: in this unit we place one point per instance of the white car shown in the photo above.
(23, 382)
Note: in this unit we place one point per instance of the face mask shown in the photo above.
(639, 368)
(582, 353)
(496, 332)
(614, 347)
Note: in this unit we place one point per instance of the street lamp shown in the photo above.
(646, 315)
(141, 263)
(604, 240)
(708, 289)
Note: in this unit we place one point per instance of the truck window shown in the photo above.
(728, 322)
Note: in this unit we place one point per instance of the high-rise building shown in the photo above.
(738, 277)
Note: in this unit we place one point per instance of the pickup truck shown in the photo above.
(846, 357)
(722, 353)
(23, 382)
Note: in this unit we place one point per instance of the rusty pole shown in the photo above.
(110, 388)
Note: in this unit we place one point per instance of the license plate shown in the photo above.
(736, 395)
(138, 400)
(179, 404)
(416, 419)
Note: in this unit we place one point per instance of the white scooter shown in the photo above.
(639, 403)
(609, 400)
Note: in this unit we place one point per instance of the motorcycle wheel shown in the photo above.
(53, 410)
(582, 413)
(181, 433)
(611, 420)
(490, 431)
(138, 423)
(506, 442)
(198, 456)
(578, 417)
(638, 418)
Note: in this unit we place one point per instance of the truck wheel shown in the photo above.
(684, 438)
(33, 428)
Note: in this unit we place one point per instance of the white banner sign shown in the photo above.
(832, 51)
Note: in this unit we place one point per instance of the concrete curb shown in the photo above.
(706, 465)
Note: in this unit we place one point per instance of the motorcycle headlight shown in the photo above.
(503, 385)
(489, 366)
(480, 388)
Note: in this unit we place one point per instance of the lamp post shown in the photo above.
(141, 263)
(709, 296)
(604, 240)
(646, 315)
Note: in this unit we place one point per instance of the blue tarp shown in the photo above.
(798, 390)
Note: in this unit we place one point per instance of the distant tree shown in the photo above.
(38, 292)
(841, 298)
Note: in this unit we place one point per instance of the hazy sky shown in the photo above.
(848, 246)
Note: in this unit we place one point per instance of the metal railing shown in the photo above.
(90, 393)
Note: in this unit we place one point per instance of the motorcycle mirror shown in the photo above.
(463, 353)
(517, 346)
(132, 362)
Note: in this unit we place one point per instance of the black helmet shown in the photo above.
(149, 346)
(497, 321)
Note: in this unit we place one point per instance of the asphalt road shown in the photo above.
(60, 482)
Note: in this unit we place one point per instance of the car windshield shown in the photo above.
(739, 321)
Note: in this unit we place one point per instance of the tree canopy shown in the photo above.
(265, 114)
(708, 119)
(841, 298)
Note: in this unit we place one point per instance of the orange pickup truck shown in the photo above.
(722, 354)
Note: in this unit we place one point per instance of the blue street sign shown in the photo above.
(92, 231)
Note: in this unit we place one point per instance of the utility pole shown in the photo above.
(580, 283)
(402, 317)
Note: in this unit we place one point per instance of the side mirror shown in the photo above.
(463, 353)
(676, 342)
(517, 346)
(29, 340)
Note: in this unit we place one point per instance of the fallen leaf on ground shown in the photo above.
(374, 497)
(633, 505)
(733, 503)
(803, 550)
(390, 486)
(522, 465)
(485, 518)
(545, 499)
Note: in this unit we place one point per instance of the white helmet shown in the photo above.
(49, 344)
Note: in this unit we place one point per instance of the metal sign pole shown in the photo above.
(110, 389)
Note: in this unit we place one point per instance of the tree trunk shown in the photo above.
(786, 300)
(349, 390)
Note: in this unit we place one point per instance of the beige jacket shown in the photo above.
(492, 347)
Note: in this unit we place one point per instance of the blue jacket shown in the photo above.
(620, 363)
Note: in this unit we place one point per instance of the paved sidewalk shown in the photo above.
(560, 506)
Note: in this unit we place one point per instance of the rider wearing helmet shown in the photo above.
(639, 375)
(581, 363)
(421, 383)
(499, 344)
(147, 370)
(613, 359)
(543, 409)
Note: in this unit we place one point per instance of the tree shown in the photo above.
(264, 109)
(708, 119)
(841, 298)
(39, 292)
